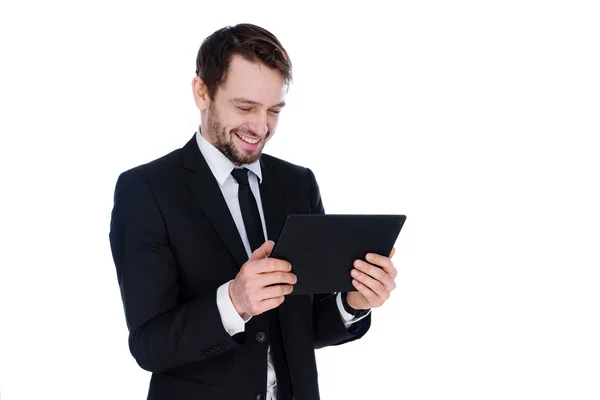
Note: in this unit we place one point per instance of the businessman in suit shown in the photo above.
(191, 234)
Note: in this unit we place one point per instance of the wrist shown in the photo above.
(350, 308)
(238, 309)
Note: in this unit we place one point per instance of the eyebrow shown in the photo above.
(254, 103)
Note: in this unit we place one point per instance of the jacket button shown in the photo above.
(260, 337)
(260, 396)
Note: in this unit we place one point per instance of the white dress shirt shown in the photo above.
(221, 168)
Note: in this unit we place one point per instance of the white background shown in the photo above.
(479, 120)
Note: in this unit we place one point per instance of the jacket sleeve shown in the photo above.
(328, 325)
(163, 332)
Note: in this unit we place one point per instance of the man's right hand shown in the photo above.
(250, 291)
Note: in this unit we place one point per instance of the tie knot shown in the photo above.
(240, 175)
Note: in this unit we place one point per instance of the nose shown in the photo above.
(259, 124)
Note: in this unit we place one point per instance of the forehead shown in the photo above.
(253, 81)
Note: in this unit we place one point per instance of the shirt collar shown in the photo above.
(219, 164)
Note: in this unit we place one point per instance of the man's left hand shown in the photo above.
(374, 284)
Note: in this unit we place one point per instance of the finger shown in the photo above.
(273, 265)
(393, 252)
(371, 297)
(263, 251)
(376, 286)
(376, 273)
(271, 292)
(269, 304)
(383, 262)
(277, 277)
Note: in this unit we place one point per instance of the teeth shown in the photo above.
(248, 140)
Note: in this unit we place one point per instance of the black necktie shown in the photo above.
(256, 237)
(250, 213)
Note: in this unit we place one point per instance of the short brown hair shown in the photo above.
(249, 41)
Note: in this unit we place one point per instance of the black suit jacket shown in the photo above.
(174, 242)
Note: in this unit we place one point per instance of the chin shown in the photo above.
(247, 157)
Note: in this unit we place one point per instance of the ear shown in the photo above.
(201, 97)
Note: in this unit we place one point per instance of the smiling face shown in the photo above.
(244, 113)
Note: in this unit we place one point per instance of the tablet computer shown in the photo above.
(322, 247)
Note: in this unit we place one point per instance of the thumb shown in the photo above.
(263, 251)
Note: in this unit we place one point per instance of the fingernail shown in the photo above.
(354, 272)
(359, 263)
(370, 257)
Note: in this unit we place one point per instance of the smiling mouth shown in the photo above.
(248, 139)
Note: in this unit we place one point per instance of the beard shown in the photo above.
(225, 141)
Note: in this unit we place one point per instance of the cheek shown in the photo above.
(237, 124)
(272, 123)
(229, 121)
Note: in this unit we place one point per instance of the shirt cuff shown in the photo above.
(232, 322)
(348, 319)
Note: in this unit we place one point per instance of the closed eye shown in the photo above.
(244, 109)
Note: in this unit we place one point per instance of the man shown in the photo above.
(205, 306)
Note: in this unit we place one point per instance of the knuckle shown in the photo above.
(273, 263)
(281, 276)
(376, 273)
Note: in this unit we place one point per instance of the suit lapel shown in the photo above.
(207, 192)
